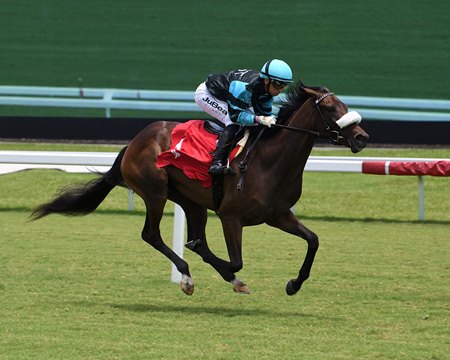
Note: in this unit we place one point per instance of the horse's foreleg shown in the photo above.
(232, 230)
(292, 225)
(233, 238)
(201, 248)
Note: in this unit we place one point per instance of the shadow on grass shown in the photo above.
(210, 310)
(141, 213)
(372, 220)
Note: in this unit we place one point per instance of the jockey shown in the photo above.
(243, 97)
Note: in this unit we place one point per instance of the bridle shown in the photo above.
(332, 135)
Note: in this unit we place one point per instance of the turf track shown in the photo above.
(78, 288)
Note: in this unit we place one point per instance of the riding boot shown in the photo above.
(219, 164)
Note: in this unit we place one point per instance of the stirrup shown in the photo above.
(217, 169)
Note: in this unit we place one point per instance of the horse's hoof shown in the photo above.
(291, 288)
(187, 284)
(241, 288)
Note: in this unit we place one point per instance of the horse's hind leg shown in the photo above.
(292, 225)
(140, 173)
(151, 234)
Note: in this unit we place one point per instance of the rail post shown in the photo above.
(179, 220)
(421, 199)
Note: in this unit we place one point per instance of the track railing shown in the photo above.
(379, 108)
(85, 162)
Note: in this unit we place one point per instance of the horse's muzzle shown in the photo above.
(358, 142)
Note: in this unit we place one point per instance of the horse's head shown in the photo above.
(335, 121)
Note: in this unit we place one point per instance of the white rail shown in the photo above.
(85, 162)
(379, 108)
(82, 162)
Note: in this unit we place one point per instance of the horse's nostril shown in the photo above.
(362, 137)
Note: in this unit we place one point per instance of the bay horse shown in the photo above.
(273, 183)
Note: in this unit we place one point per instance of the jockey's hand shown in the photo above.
(267, 120)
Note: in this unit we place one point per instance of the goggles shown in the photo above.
(278, 84)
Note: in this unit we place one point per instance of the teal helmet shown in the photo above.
(277, 70)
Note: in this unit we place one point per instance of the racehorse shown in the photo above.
(273, 183)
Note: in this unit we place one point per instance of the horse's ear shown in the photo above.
(302, 87)
(310, 91)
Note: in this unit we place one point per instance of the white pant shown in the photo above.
(218, 109)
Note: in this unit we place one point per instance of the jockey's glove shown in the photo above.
(267, 120)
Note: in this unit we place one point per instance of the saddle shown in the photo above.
(193, 145)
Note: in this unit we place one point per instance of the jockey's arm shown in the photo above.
(239, 103)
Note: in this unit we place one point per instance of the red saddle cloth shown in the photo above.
(191, 151)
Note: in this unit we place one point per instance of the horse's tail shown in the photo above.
(83, 199)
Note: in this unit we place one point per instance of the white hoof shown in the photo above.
(187, 284)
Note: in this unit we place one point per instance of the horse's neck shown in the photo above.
(304, 117)
(295, 146)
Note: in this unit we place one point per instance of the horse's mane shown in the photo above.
(295, 98)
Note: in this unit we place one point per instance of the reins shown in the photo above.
(305, 131)
(332, 135)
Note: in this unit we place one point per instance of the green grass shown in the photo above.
(366, 48)
(89, 288)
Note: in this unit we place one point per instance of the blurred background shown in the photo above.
(366, 48)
